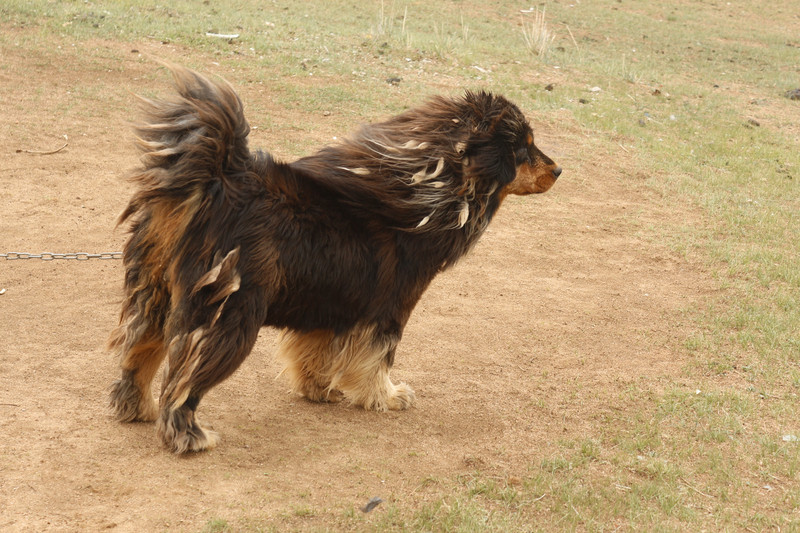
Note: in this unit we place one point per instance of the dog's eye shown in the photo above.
(521, 156)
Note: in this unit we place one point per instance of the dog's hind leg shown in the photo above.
(198, 361)
(131, 396)
(140, 343)
(213, 331)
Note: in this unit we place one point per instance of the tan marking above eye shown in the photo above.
(529, 139)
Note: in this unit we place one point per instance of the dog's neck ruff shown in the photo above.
(413, 185)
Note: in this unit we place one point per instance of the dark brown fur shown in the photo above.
(335, 248)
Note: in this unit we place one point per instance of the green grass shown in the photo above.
(216, 525)
(683, 458)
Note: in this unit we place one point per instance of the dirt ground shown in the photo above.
(532, 338)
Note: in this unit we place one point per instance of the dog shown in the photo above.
(334, 249)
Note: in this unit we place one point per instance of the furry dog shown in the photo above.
(335, 249)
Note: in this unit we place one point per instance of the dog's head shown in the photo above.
(535, 172)
(450, 162)
(501, 144)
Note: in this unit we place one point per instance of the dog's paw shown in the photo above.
(402, 397)
(197, 440)
(129, 404)
(181, 432)
(323, 395)
(388, 397)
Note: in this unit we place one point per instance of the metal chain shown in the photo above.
(49, 256)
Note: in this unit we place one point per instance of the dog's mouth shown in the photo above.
(534, 179)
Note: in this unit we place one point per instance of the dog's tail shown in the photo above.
(187, 141)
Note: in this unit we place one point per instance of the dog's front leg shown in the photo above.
(365, 358)
(372, 388)
(323, 366)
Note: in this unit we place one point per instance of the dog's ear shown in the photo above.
(490, 159)
(490, 148)
(501, 162)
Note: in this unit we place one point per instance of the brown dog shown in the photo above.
(335, 248)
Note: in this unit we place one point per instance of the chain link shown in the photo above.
(49, 256)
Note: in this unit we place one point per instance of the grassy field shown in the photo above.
(691, 93)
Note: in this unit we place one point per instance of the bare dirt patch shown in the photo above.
(533, 338)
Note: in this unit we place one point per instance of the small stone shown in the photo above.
(371, 504)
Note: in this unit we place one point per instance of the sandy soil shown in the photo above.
(533, 338)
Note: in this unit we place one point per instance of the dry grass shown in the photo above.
(538, 37)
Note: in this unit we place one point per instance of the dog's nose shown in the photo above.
(556, 172)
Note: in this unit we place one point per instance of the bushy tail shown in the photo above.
(186, 141)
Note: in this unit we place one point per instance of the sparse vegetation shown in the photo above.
(538, 37)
